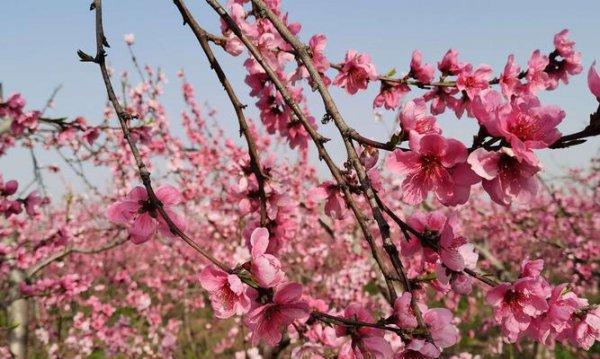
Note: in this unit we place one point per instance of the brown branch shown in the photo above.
(343, 128)
(316, 138)
(592, 129)
(124, 118)
(69, 250)
(203, 39)
(332, 319)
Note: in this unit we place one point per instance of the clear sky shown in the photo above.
(39, 41)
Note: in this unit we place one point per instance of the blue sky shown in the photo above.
(38, 45)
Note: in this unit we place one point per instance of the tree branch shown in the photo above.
(203, 39)
(124, 118)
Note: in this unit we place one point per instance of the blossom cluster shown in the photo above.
(297, 263)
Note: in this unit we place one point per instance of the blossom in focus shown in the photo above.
(504, 177)
(529, 125)
(509, 80)
(450, 65)
(356, 72)
(428, 166)
(267, 321)
(365, 342)
(266, 268)
(517, 304)
(227, 292)
(414, 117)
(139, 214)
(473, 82)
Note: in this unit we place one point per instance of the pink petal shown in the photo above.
(456, 152)
(286, 293)
(259, 239)
(594, 80)
(495, 295)
(122, 212)
(432, 144)
(402, 162)
(138, 194)
(168, 195)
(212, 278)
(452, 259)
(484, 163)
(142, 228)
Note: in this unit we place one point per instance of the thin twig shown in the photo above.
(124, 118)
(203, 39)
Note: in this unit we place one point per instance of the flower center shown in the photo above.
(524, 127)
(147, 206)
(430, 163)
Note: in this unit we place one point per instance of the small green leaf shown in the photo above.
(391, 73)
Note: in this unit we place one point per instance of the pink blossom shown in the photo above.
(531, 268)
(267, 321)
(440, 97)
(561, 306)
(418, 349)
(357, 70)
(450, 65)
(265, 267)
(9, 187)
(334, 205)
(428, 167)
(25, 121)
(473, 82)
(32, 201)
(594, 80)
(529, 125)
(316, 45)
(570, 63)
(537, 78)
(91, 135)
(439, 322)
(233, 45)
(423, 73)
(227, 292)
(459, 282)
(390, 94)
(13, 107)
(414, 117)
(487, 107)
(563, 45)
(366, 342)
(587, 331)
(516, 305)
(369, 157)
(463, 257)
(403, 313)
(504, 177)
(141, 217)
(509, 80)
(433, 225)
